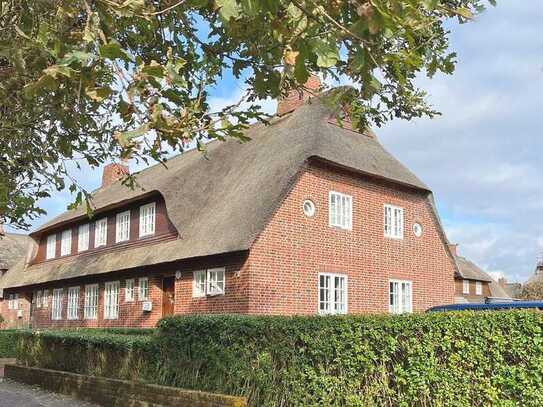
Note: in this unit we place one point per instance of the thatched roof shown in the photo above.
(220, 203)
(470, 271)
(13, 247)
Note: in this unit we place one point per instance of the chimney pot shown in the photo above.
(114, 172)
(295, 98)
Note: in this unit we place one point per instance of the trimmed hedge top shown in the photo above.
(438, 359)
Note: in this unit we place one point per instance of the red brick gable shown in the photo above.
(286, 258)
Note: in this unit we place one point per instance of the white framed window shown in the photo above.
(111, 300)
(73, 303)
(83, 238)
(400, 297)
(122, 230)
(208, 282)
(45, 299)
(13, 303)
(100, 232)
(129, 290)
(90, 309)
(66, 242)
(38, 298)
(340, 208)
(465, 286)
(51, 247)
(56, 305)
(332, 293)
(478, 288)
(147, 219)
(143, 289)
(393, 220)
(199, 283)
(215, 281)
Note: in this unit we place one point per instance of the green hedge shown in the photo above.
(8, 342)
(97, 352)
(440, 359)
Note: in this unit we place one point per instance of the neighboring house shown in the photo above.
(514, 290)
(473, 285)
(308, 217)
(13, 248)
(537, 275)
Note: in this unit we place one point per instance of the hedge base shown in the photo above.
(113, 392)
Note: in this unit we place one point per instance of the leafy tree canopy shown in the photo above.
(94, 80)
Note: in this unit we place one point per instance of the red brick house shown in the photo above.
(13, 248)
(308, 217)
(473, 284)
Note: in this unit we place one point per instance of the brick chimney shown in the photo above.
(114, 172)
(502, 281)
(296, 98)
(453, 248)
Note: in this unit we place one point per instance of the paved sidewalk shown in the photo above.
(14, 394)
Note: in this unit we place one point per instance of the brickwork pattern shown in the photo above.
(285, 260)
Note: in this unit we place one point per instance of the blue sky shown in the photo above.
(482, 157)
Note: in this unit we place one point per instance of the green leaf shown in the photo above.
(154, 69)
(98, 94)
(228, 9)
(78, 57)
(33, 88)
(124, 138)
(327, 52)
(464, 12)
(113, 50)
(57, 70)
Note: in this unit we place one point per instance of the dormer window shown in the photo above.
(122, 227)
(100, 233)
(147, 219)
(66, 243)
(51, 247)
(83, 238)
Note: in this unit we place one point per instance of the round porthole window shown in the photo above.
(417, 229)
(309, 208)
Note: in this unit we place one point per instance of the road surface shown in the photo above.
(14, 394)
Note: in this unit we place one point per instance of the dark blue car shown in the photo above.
(496, 306)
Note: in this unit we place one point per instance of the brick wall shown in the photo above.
(280, 274)
(11, 319)
(286, 258)
(471, 297)
(130, 313)
(234, 300)
(114, 392)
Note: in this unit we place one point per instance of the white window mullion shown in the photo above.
(111, 300)
(340, 210)
(393, 221)
(332, 293)
(147, 219)
(73, 303)
(66, 242)
(400, 296)
(122, 231)
(83, 237)
(100, 233)
(56, 306)
(51, 247)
